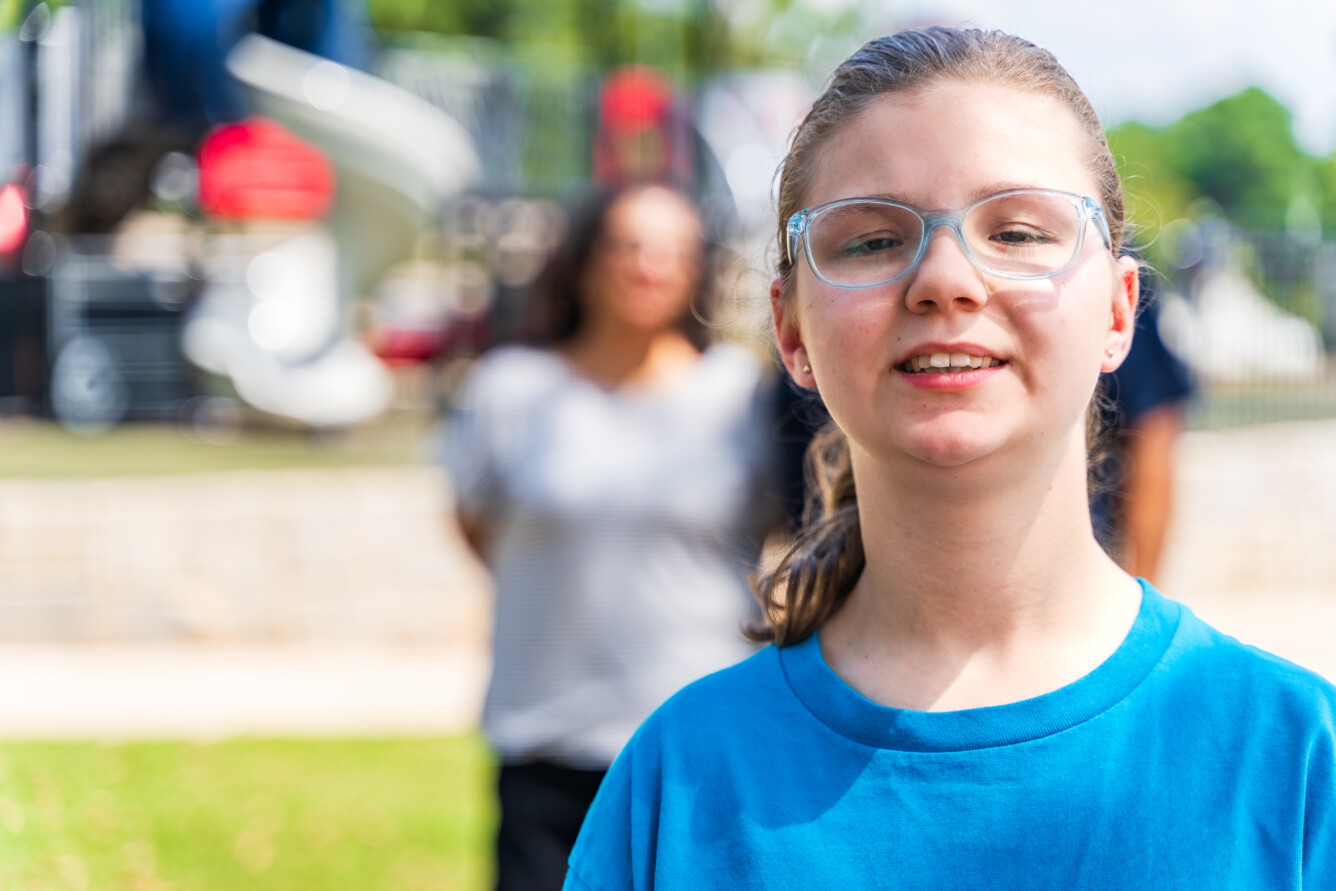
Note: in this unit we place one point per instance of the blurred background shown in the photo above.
(247, 248)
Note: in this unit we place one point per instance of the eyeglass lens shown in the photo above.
(1022, 234)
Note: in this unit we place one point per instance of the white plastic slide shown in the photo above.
(398, 160)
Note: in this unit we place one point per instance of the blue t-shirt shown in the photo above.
(1185, 760)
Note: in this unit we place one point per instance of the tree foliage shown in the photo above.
(1156, 191)
(1241, 152)
(477, 18)
(1238, 155)
(691, 39)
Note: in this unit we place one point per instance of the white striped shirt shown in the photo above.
(622, 525)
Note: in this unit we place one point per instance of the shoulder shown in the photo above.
(1235, 674)
(711, 735)
(490, 407)
(514, 362)
(1198, 640)
(732, 364)
(730, 384)
(506, 374)
(746, 685)
(1278, 722)
(719, 714)
(733, 355)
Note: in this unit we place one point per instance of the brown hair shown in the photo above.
(825, 560)
(555, 309)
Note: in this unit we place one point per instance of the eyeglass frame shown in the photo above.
(1089, 210)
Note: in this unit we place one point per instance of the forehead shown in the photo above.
(653, 212)
(945, 145)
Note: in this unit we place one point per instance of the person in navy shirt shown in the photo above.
(1141, 417)
(962, 689)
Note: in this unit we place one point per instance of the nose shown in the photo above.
(945, 277)
(651, 261)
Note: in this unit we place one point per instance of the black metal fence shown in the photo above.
(1254, 316)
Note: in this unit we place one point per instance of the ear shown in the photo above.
(792, 350)
(1123, 315)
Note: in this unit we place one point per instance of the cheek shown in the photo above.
(1073, 353)
(850, 345)
(837, 327)
(684, 285)
(1071, 320)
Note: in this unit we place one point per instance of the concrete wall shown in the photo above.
(355, 554)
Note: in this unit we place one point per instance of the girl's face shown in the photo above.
(646, 265)
(940, 148)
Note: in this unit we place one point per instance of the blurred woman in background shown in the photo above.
(611, 474)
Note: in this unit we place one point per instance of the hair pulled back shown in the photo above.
(825, 560)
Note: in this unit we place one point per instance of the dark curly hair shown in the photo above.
(555, 309)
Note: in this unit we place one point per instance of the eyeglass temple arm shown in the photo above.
(1096, 211)
(794, 231)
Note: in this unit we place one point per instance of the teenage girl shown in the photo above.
(963, 690)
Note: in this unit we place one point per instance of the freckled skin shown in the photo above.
(1003, 594)
(942, 148)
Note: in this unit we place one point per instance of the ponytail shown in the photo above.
(824, 561)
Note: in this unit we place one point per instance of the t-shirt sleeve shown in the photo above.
(466, 442)
(612, 852)
(1319, 856)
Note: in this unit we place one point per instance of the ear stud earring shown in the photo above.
(1109, 352)
(807, 369)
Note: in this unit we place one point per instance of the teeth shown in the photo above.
(942, 363)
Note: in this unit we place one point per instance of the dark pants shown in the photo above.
(542, 807)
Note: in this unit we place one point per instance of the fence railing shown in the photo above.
(1253, 315)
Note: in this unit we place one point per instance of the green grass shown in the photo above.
(323, 815)
(41, 449)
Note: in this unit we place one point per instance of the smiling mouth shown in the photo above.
(947, 363)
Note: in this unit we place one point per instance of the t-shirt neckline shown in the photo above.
(844, 710)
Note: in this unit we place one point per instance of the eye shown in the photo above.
(1020, 235)
(867, 245)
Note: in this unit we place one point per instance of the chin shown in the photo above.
(952, 455)
(957, 448)
(650, 322)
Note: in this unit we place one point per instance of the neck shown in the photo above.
(979, 588)
(617, 355)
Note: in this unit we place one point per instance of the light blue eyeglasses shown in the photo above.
(1017, 234)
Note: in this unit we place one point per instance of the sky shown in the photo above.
(1153, 60)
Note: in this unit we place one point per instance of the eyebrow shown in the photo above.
(982, 192)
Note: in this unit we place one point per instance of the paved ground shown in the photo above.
(348, 608)
(279, 602)
(1253, 548)
(171, 690)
